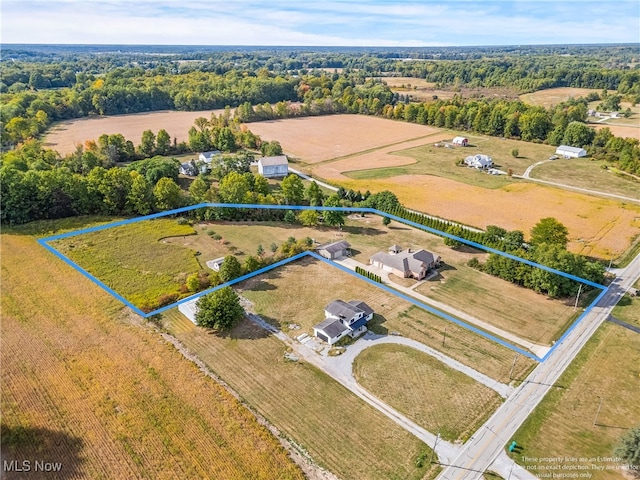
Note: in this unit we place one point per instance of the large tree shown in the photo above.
(168, 194)
(578, 134)
(230, 268)
(333, 218)
(220, 309)
(313, 194)
(163, 142)
(147, 143)
(551, 231)
(629, 449)
(292, 189)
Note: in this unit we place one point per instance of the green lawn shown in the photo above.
(604, 376)
(306, 405)
(132, 259)
(430, 393)
(440, 161)
(587, 173)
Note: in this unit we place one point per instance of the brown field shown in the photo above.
(621, 130)
(403, 378)
(596, 226)
(604, 376)
(421, 90)
(85, 385)
(553, 96)
(63, 136)
(378, 158)
(316, 139)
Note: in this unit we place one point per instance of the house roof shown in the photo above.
(273, 161)
(334, 247)
(209, 155)
(342, 309)
(331, 326)
(460, 139)
(483, 160)
(407, 261)
(566, 148)
(358, 323)
(362, 306)
(395, 248)
(215, 261)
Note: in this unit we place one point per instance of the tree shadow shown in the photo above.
(370, 231)
(55, 448)
(247, 329)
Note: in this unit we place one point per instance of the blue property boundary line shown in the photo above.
(45, 243)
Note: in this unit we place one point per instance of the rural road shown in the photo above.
(539, 350)
(489, 441)
(307, 177)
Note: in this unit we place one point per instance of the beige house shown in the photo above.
(406, 263)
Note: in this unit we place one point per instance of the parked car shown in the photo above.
(553, 157)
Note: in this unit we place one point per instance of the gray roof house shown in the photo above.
(479, 161)
(334, 250)
(273, 166)
(207, 157)
(189, 168)
(343, 318)
(406, 263)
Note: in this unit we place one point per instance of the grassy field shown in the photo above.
(606, 372)
(554, 96)
(587, 173)
(421, 90)
(271, 293)
(132, 259)
(433, 395)
(83, 384)
(628, 308)
(320, 415)
(539, 319)
(441, 162)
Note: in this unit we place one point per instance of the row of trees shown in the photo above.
(369, 275)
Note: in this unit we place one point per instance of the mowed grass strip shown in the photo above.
(515, 309)
(341, 432)
(607, 369)
(83, 386)
(459, 343)
(441, 162)
(587, 173)
(430, 393)
(132, 260)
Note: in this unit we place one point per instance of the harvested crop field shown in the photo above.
(596, 226)
(623, 131)
(421, 90)
(84, 385)
(63, 136)
(316, 139)
(553, 96)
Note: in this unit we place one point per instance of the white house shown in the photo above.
(343, 318)
(207, 157)
(215, 264)
(479, 161)
(273, 166)
(461, 141)
(405, 263)
(189, 309)
(571, 152)
(334, 250)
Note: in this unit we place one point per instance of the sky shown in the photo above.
(320, 23)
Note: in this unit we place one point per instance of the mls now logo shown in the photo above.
(28, 466)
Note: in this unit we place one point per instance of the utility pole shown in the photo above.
(577, 298)
(515, 357)
(595, 419)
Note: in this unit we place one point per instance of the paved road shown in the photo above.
(540, 350)
(489, 441)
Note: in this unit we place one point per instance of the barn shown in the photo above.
(273, 166)
(461, 141)
(571, 152)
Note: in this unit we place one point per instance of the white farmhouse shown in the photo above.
(343, 318)
(479, 161)
(273, 166)
(207, 157)
(571, 152)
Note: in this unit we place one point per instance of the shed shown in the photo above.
(571, 152)
(461, 141)
(189, 309)
(334, 250)
(273, 166)
(215, 264)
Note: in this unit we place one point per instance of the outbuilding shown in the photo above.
(571, 152)
(461, 141)
(334, 250)
(479, 161)
(273, 166)
(189, 309)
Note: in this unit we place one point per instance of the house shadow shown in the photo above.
(376, 324)
(247, 329)
(51, 447)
